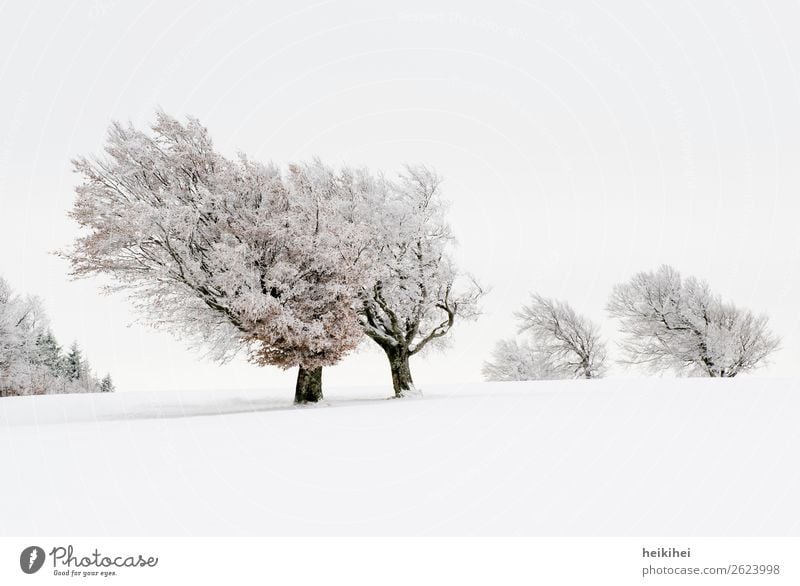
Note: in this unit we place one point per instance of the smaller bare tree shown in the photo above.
(570, 340)
(674, 324)
(514, 360)
(562, 344)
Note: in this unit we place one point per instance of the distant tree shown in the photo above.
(50, 354)
(232, 254)
(31, 361)
(74, 367)
(107, 385)
(670, 323)
(514, 360)
(22, 322)
(560, 344)
(571, 341)
(412, 293)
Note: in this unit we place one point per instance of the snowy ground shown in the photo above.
(613, 457)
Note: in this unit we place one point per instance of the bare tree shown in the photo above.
(232, 254)
(670, 323)
(571, 342)
(514, 360)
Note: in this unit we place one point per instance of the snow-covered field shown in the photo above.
(612, 457)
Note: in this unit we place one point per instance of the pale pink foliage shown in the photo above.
(231, 253)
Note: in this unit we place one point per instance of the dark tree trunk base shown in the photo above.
(401, 374)
(309, 385)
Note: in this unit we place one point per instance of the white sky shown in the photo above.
(580, 142)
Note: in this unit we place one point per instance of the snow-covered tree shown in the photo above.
(559, 344)
(232, 254)
(31, 362)
(22, 322)
(571, 342)
(412, 292)
(75, 368)
(49, 353)
(519, 360)
(670, 323)
(107, 385)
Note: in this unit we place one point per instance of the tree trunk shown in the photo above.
(401, 372)
(309, 385)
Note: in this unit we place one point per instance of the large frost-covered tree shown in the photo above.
(230, 253)
(559, 344)
(670, 323)
(412, 292)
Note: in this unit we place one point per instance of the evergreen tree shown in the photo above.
(74, 367)
(50, 353)
(107, 385)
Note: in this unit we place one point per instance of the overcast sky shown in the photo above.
(580, 142)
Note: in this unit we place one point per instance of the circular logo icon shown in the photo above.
(31, 559)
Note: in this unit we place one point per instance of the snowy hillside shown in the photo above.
(616, 457)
